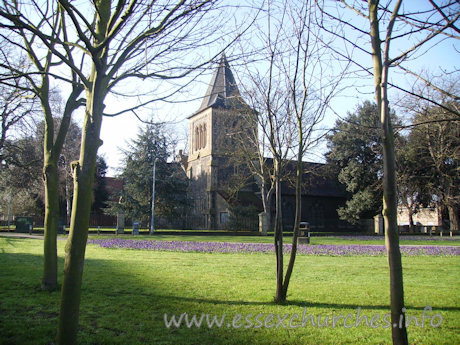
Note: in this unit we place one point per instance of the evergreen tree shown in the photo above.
(355, 149)
(101, 195)
(170, 190)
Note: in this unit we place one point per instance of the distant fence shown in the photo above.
(242, 224)
(37, 221)
(102, 220)
(237, 224)
(95, 220)
(335, 225)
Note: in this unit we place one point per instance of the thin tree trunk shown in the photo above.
(50, 267)
(68, 204)
(390, 199)
(266, 202)
(411, 219)
(50, 179)
(279, 297)
(298, 211)
(52, 150)
(453, 217)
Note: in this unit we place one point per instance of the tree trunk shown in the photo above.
(390, 202)
(298, 211)
(280, 296)
(78, 235)
(52, 150)
(83, 172)
(51, 181)
(453, 217)
(410, 214)
(68, 205)
(390, 197)
(266, 214)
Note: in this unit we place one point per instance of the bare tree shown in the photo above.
(271, 102)
(249, 152)
(39, 77)
(433, 144)
(418, 27)
(290, 94)
(124, 42)
(310, 90)
(18, 108)
(20, 182)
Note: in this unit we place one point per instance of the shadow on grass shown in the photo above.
(111, 311)
(120, 306)
(297, 303)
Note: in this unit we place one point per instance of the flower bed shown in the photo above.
(234, 247)
(401, 238)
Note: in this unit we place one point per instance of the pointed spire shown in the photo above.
(222, 86)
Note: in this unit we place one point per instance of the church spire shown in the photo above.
(222, 86)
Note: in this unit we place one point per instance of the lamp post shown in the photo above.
(9, 211)
(152, 220)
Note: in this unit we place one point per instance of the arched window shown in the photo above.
(200, 137)
(204, 136)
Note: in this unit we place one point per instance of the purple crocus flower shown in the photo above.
(236, 247)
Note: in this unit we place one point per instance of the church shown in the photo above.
(209, 168)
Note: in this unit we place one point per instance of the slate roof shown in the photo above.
(243, 198)
(318, 180)
(222, 87)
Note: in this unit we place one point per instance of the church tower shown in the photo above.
(221, 110)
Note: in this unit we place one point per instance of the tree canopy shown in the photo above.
(152, 143)
(355, 150)
(436, 144)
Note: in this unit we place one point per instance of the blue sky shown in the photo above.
(432, 59)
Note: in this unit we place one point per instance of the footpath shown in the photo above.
(20, 235)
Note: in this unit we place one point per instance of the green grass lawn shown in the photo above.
(127, 292)
(332, 240)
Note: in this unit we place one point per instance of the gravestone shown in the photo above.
(136, 227)
(120, 223)
(61, 226)
(264, 221)
(379, 225)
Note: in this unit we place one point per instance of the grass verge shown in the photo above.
(127, 292)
